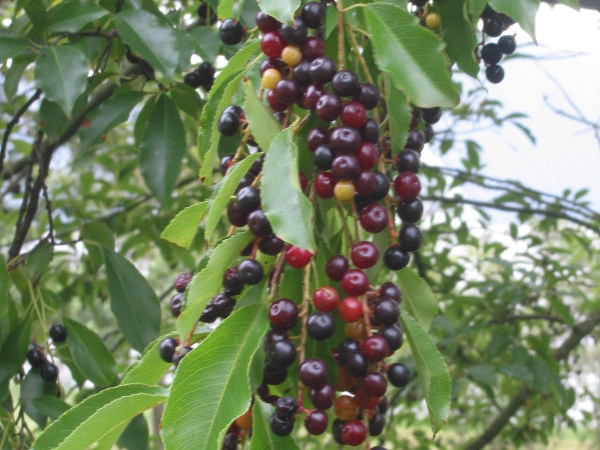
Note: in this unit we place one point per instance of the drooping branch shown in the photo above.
(578, 332)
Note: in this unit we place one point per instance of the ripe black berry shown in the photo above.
(321, 70)
(410, 210)
(356, 364)
(288, 91)
(209, 314)
(398, 374)
(408, 161)
(494, 74)
(491, 53)
(250, 271)
(232, 285)
(432, 115)
(346, 83)
(231, 31)
(271, 245)
(286, 407)
(389, 289)
(324, 157)
(49, 372)
(382, 188)
(228, 124)
(258, 224)
(236, 216)
(376, 424)
(428, 132)
(313, 14)
(300, 73)
(415, 140)
(410, 238)
(167, 349)
(370, 131)
(283, 314)
(323, 397)
(274, 375)
(507, 44)
(176, 304)
(393, 335)
(294, 34)
(182, 281)
(313, 373)
(281, 354)
(266, 23)
(328, 107)
(223, 305)
(345, 167)
(281, 427)
(395, 258)
(248, 199)
(34, 356)
(320, 325)
(368, 95)
(344, 140)
(206, 15)
(387, 311)
(58, 333)
(492, 26)
(230, 442)
(316, 422)
(192, 79)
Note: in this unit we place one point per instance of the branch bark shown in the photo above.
(578, 332)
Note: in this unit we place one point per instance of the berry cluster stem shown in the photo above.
(304, 317)
(340, 14)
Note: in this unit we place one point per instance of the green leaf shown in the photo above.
(109, 114)
(398, 114)
(182, 229)
(186, 99)
(150, 368)
(96, 416)
(200, 405)
(207, 42)
(219, 98)
(64, 354)
(287, 208)
(50, 405)
(39, 260)
(162, 148)
(33, 387)
(282, 10)
(262, 123)
(483, 373)
(11, 45)
(225, 9)
(89, 353)
(224, 190)
(95, 234)
(61, 72)
(518, 371)
(432, 370)
(14, 74)
(411, 54)
(523, 12)
(4, 287)
(135, 436)
(208, 281)
(418, 298)
(14, 349)
(73, 15)
(150, 36)
(262, 436)
(460, 38)
(132, 300)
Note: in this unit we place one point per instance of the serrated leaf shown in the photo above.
(89, 353)
(182, 229)
(262, 436)
(398, 114)
(132, 301)
(61, 72)
(150, 368)
(432, 370)
(417, 297)
(200, 405)
(224, 190)
(209, 280)
(96, 416)
(162, 147)
(523, 12)
(150, 36)
(109, 114)
(219, 98)
(14, 349)
(186, 99)
(287, 208)
(282, 10)
(207, 42)
(262, 123)
(411, 54)
(460, 37)
(73, 15)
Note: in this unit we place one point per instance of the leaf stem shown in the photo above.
(304, 317)
(340, 211)
(340, 14)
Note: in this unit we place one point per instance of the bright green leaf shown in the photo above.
(69, 70)
(135, 436)
(73, 15)
(225, 9)
(287, 208)
(211, 386)
(208, 281)
(262, 436)
(50, 405)
(89, 353)
(207, 42)
(432, 370)
(523, 12)
(460, 38)
(411, 54)
(150, 368)
(418, 298)
(398, 113)
(282, 10)
(182, 229)
(262, 123)
(150, 36)
(96, 416)
(132, 300)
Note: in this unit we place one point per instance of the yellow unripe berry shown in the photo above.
(344, 191)
(270, 78)
(291, 55)
(433, 20)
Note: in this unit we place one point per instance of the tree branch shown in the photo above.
(578, 332)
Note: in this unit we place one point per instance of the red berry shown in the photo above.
(350, 309)
(326, 299)
(407, 185)
(374, 384)
(312, 48)
(355, 282)
(297, 257)
(375, 348)
(364, 254)
(316, 137)
(354, 432)
(303, 181)
(283, 314)
(364, 400)
(272, 44)
(354, 115)
(316, 422)
(373, 218)
(366, 182)
(274, 102)
(313, 373)
(367, 155)
(324, 184)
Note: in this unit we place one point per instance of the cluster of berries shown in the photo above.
(202, 76)
(37, 359)
(494, 24)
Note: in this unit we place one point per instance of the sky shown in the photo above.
(565, 63)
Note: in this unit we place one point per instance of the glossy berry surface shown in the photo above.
(395, 258)
(258, 224)
(250, 272)
(317, 136)
(236, 216)
(346, 83)
(286, 407)
(281, 354)
(288, 91)
(407, 185)
(274, 375)
(507, 44)
(320, 326)
(182, 281)
(283, 314)
(274, 102)
(323, 397)
(270, 78)
(393, 336)
(231, 32)
(375, 348)
(271, 245)
(345, 407)
(272, 44)
(297, 257)
(294, 34)
(368, 95)
(374, 384)
(373, 218)
(344, 140)
(367, 155)
(248, 199)
(312, 48)
(366, 182)
(354, 115)
(354, 433)
(410, 238)
(370, 131)
(49, 372)
(415, 140)
(313, 14)
(35, 357)
(266, 23)
(408, 161)
(494, 74)
(311, 96)
(410, 211)
(323, 157)
(376, 424)
(432, 115)
(228, 124)
(491, 53)
(387, 311)
(279, 426)
(167, 349)
(313, 373)
(58, 333)
(350, 309)
(364, 254)
(324, 184)
(316, 422)
(355, 282)
(328, 107)
(345, 167)
(492, 26)
(326, 298)
(321, 70)
(398, 374)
